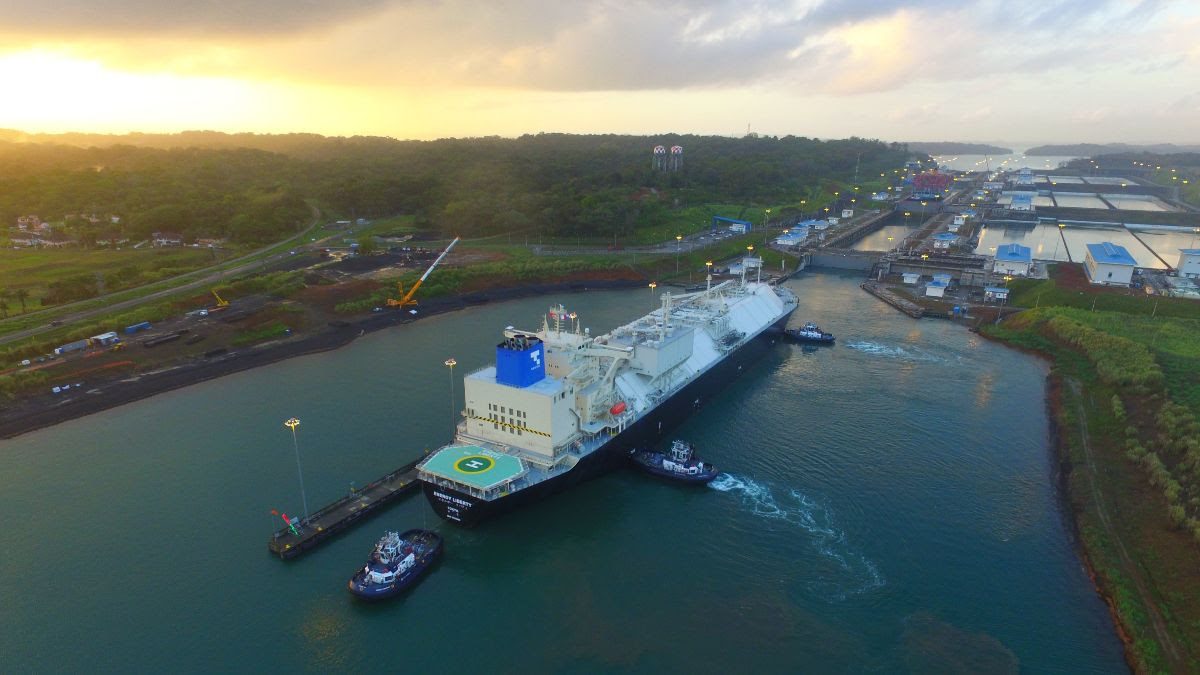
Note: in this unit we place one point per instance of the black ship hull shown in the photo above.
(465, 510)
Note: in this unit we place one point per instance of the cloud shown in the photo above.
(133, 18)
(847, 47)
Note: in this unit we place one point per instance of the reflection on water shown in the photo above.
(998, 162)
(885, 238)
(1049, 241)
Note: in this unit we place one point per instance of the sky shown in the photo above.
(972, 70)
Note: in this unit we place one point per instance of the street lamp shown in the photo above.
(708, 265)
(678, 244)
(652, 287)
(292, 423)
(450, 363)
(749, 254)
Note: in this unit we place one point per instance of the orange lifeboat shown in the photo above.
(618, 408)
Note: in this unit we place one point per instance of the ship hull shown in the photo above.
(466, 510)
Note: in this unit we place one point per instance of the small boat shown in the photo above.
(810, 333)
(680, 463)
(396, 564)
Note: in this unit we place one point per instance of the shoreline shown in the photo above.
(42, 411)
(1063, 467)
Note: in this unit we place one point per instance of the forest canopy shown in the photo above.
(254, 188)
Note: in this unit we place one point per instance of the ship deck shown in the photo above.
(473, 465)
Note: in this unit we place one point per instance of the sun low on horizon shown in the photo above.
(907, 71)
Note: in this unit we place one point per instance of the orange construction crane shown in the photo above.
(406, 298)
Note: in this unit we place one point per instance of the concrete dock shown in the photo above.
(344, 513)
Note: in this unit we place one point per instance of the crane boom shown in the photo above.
(407, 299)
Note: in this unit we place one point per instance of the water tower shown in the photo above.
(660, 158)
(676, 161)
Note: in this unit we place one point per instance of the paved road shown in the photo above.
(202, 282)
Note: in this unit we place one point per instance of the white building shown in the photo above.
(1013, 259)
(1109, 264)
(1022, 201)
(944, 240)
(1189, 263)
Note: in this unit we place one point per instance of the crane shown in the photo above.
(221, 302)
(407, 297)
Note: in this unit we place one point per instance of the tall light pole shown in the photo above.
(708, 265)
(450, 363)
(678, 244)
(652, 287)
(292, 423)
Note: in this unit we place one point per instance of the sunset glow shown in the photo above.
(913, 70)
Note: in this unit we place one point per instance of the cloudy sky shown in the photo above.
(1012, 70)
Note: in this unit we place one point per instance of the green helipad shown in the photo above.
(474, 466)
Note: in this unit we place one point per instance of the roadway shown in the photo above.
(249, 263)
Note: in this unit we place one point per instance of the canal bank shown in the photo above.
(24, 415)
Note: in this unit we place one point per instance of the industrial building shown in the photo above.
(1189, 263)
(1013, 259)
(944, 240)
(1109, 264)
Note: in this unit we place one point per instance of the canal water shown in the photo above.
(1010, 162)
(1153, 247)
(887, 505)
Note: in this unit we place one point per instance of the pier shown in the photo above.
(883, 293)
(344, 513)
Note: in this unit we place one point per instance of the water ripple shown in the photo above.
(849, 573)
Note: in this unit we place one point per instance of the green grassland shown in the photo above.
(1127, 386)
(35, 269)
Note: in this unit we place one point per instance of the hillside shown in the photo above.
(1093, 149)
(954, 148)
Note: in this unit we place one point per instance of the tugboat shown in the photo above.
(679, 464)
(397, 562)
(810, 333)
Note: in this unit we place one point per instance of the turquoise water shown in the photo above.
(888, 505)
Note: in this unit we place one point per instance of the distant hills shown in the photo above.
(1094, 149)
(952, 148)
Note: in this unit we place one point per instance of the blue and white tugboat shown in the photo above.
(397, 562)
(811, 334)
(679, 464)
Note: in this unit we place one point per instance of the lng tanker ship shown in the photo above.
(561, 406)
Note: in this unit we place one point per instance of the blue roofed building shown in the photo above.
(1013, 259)
(1109, 264)
(1189, 263)
(1022, 201)
(944, 240)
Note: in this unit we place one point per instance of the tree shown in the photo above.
(22, 294)
(5, 294)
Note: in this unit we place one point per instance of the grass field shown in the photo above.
(34, 269)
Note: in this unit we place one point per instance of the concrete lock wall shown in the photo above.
(851, 260)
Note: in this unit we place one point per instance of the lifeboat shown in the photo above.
(618, 408)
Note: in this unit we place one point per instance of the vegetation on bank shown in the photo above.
(1137, 404)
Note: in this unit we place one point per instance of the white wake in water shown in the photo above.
(885, 351)
(849, 573)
